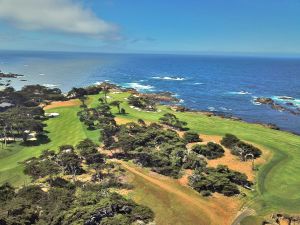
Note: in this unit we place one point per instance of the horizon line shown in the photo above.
(187, 53)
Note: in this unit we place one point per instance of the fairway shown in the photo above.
(276, 182)
(65, 129)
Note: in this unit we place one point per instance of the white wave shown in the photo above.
(198, 83)
(224, 109)
(50, 85)
(42, 74)
(287, 99)
(254, 102)
(139, 87)
(211, 108)
(240, 93)
(169, 78)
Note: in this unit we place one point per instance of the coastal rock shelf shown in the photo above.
(287, 106)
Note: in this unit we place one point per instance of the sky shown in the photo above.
(152, 26)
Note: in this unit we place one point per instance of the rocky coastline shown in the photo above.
(279, 107)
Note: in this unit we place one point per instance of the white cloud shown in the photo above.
(65, 16)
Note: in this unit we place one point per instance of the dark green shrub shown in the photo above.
(211, 151)
(243, 149)
(190, 137)
(229, 140)
(205, 193)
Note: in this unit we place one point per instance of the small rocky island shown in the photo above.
(10, 75)
(288, 106)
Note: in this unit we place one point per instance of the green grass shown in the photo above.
(277, 185)
(65, 129)
(252, 220)
(278, 181)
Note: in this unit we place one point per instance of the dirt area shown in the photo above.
(184, 179)
(121, 121)
(233, 162)
(58, 104)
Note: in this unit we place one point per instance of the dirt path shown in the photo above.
(219, 210)
(242, 215)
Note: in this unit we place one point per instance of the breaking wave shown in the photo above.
(169, 78)
(139, 87)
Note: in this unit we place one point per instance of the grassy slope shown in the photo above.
(277, 181)
(65, 129)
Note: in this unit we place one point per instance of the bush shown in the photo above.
(7, 192)
(220, 179)
(247, 149)
(194, 161)
(172, 121)
(142, 213)
(190, 137)
(205, 193)
(211, 151)
(229, 140)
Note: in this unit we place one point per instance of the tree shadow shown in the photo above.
(41, 140)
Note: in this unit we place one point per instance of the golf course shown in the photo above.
(276, 182)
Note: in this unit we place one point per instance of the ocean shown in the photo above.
(223, 84)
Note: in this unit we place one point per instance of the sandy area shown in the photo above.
(233, 162)
(58, 104)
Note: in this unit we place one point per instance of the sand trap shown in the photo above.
(58, 104)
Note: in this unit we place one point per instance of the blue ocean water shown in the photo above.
(223, 84)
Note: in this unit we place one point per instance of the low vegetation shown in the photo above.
(220, 179)
(210, 151)
(240, 148)
(76, 202)
(191, 137)
(171, 120)
(142, 102)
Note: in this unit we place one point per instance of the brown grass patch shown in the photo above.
(218, 209)
(121, 121)
(58, 104)
(184, 179)
(232, 161)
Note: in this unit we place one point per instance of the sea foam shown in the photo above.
(169, 78)
(139, 87)
(50, 85)
(240, 93)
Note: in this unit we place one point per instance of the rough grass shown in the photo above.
(173, 203)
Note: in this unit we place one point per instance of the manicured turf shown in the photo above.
(65, 129)
(278, 181)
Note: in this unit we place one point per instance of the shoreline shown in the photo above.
(177, 104)
(223, 115)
